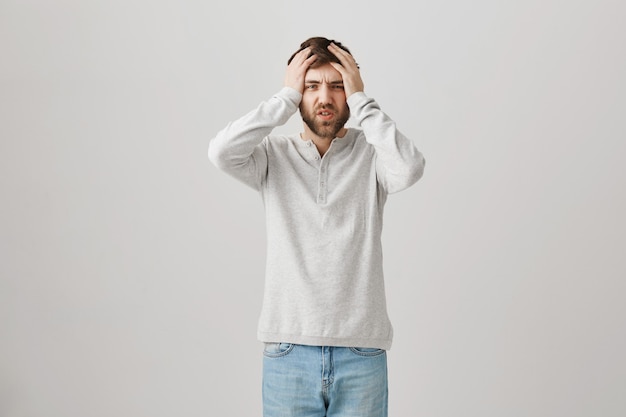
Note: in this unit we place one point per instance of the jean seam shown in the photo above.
(280, 354)
(367, 354)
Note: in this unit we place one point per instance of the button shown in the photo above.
(317, 157)
(308, 144)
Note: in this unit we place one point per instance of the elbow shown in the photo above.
(216, 154)
(412, 173)
(417, 170)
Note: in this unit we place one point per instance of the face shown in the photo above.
(323, 108)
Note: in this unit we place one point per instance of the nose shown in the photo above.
(325, 94)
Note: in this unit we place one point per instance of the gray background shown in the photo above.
(131, 268)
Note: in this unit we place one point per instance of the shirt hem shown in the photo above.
(362, 342)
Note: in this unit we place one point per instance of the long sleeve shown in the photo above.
(399, 164)
(238, 149)
(324, 281)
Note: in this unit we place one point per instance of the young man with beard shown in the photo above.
(324, 318)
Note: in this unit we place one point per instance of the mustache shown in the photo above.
(325, 107)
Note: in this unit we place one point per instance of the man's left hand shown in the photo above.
(349, 70)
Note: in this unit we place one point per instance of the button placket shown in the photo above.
(322, 185)
(322, 175)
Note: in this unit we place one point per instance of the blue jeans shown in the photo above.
(323, 381)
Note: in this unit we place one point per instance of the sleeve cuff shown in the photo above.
(291, 94)
(357, 99)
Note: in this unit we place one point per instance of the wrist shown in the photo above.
(292, 94)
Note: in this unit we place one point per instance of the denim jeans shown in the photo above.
(324, 381)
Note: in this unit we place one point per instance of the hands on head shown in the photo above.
(348, 68)
(297, 68)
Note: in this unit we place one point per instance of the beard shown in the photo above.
(323, 128)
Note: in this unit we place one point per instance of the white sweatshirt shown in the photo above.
(324, 281)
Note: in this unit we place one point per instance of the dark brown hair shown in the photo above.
(319, 47)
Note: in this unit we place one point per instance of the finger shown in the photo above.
(310, 60)
(302, 61)
(300, 57)
(340, 68)
(344, 57)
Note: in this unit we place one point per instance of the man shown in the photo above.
(324, 316)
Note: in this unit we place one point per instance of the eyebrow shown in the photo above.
(319, 82)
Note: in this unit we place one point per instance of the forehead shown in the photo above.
(324, 72)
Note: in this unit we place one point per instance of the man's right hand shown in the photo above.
(297, 68)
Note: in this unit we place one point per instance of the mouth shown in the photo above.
(325, 114)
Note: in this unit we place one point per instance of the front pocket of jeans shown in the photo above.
(277, 350)
(367, 351)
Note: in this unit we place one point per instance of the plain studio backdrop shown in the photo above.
(131, 269)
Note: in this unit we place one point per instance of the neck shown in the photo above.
(322, 143)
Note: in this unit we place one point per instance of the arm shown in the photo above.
(398, 162)
(237, 149)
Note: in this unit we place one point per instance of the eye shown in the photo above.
(338, 87)
(311, 86)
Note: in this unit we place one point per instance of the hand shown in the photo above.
(349, 70)
(297, 68)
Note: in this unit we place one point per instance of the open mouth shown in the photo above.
(325, 114)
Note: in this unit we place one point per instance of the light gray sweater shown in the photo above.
(324, 274)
